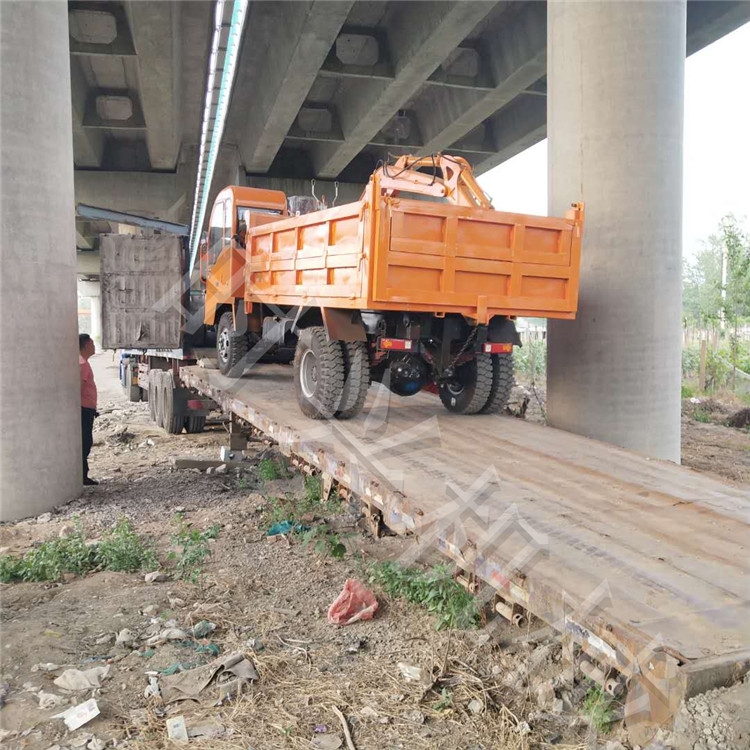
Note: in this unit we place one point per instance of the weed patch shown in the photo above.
(193, 549)
(324, 541)
(121, 549)
(597, 708)
(434, 589)
(273, 468)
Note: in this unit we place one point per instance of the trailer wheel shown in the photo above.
(469, 389)
(194, 425)
(231, 347)
(132, 391)
(318, 373)
(159, 392)
(356, 379)
(173, 421)
(153, 397)
(502, 384)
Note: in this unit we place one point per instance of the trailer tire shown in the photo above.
(194, 425)
(132, 391)
(356, 379)
(161, 395)
(502, 384)
(173, 421)
(153, 397)
(318, 373)
(470, 389)
(231, 347)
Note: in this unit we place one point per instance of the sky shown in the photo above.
(717, 146)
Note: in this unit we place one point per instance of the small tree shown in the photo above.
(735, 243)
(701, 296)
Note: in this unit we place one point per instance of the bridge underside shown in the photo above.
(324, 89)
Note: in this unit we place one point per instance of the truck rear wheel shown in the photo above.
(502, 384)
(357, 379)
(194, 425)
(231, 347)
(469, 389)
(318, 373)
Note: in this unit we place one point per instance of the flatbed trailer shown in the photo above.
(641, 564)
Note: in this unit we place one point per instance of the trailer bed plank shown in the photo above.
(667, 546)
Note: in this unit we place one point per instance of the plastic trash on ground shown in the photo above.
(353, 604)
(77, 716)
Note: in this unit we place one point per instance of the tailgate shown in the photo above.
(477, 262)
(142, 287)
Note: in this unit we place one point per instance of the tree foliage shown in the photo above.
(706, 299)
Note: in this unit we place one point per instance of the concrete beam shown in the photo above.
(156, 30)
(150, 193)
(88, 263)
(88, 143)
(517, 57)
(420, 35)
(516, 127)
(284, 56)
(709, 20)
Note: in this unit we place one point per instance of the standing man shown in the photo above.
(87, 349)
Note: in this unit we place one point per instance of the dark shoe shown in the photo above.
(89, 482)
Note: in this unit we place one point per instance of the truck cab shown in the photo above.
(222, 253)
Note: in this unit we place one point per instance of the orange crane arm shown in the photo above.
(449, 177)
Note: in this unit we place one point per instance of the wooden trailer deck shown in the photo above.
(642, 563)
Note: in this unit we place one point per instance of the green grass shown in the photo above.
(121, 549)
(273, 468)
(435, 589)
(193, 549)
(700, 415)
(687, 391)
(445, 702)
(597, 708)
(324, 541)
(295, 508)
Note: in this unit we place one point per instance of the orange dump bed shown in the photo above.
(395, 253)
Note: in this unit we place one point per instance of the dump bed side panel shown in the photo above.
(142, 287)
(305, 258)
(478, 262)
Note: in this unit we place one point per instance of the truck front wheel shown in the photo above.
(318, 373)
(469, 389)
(231, 347)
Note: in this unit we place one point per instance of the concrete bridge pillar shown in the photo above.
(40, 453)
(614, 122)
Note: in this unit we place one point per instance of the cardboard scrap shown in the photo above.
(227, 674)
(77, 716)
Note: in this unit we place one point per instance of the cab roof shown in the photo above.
(254, 197)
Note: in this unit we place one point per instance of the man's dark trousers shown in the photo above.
(87, 433)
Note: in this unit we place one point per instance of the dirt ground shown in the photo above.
(268, 601)
(708, 444)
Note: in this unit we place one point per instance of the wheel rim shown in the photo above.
(308, 374)
(454, 387)
(223, 344)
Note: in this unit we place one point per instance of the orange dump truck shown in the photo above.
(415, 285)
